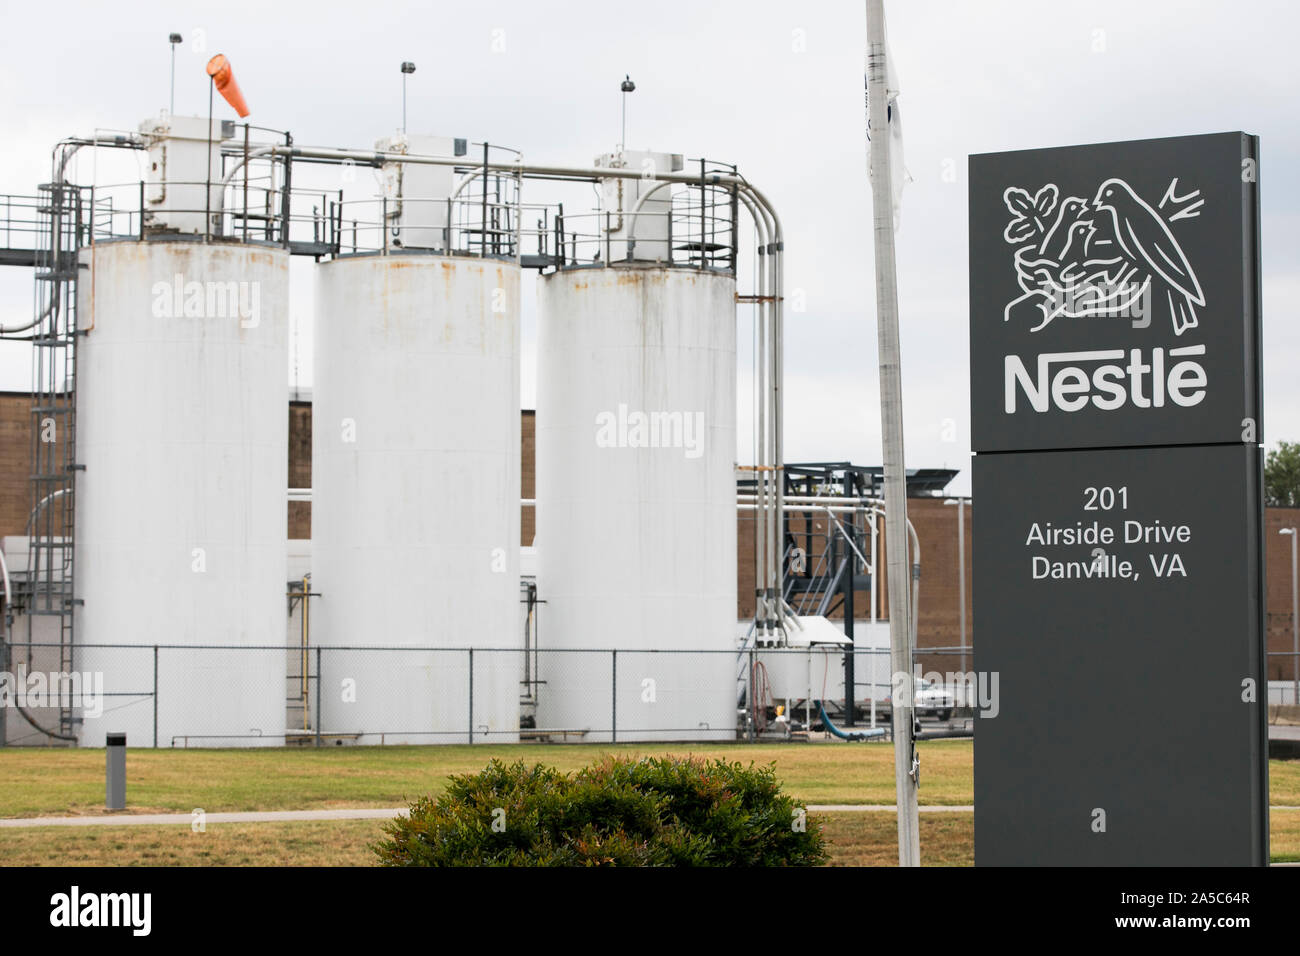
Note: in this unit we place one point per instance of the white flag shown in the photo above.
(897, 172)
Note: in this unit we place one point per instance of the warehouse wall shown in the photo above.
(15, 461)
(1277, 574)
(299, 468)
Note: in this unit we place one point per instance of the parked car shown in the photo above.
(930, 699)
(934, 700)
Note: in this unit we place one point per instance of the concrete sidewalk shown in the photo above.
(168, 819)
(292, 816)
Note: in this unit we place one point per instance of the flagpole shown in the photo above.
(891, 421)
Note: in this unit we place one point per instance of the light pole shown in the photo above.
(961, 570)
(906, 767)
(407, 68)
(627, 86)
(173, 39)
(1295, 617)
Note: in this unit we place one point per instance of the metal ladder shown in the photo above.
(63, 223)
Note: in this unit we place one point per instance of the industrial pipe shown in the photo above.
(59, 168)
(8, 599)
(771, 289)
(847, 735)
(4, 577)
(49, 309)
(518, 167)
(744, 504)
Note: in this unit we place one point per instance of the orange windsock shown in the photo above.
(224, 77)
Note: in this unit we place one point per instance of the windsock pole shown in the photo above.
(207, 172)
(221, 78)
(906, 772)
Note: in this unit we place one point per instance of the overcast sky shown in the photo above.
(774, 87)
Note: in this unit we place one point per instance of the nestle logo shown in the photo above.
(1070, 381)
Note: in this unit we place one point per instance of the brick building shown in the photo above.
(939, 619)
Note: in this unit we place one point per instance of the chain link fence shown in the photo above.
(290, 695)
(169, 695)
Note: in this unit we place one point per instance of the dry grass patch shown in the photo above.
(856, 838)
(870, 838)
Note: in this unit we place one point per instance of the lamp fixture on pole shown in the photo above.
(407, 68)
(173, 39)
(627, 86)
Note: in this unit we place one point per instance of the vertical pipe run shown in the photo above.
(155, 696)
(284, 199)
(776, 566)
(670, 233)
(849, 662)
(207, 172)
(769, 614)
(483, 217)
(749, 722)
(875, 562)
(735, 238)
(763, 515)
(559, 234)
(245, 182)
(770, 468)
(1295, 613)
(961, 571)
(336, 244)
(318, 714)
(703, 192)
(306, 604)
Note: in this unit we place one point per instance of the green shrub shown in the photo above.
(667, 811)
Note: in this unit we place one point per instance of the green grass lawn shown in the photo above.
(71, 782)
(37, 782)
(61, 782)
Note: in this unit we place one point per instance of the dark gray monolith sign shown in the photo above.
(1115, 402)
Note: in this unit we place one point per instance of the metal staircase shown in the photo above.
(824, 548)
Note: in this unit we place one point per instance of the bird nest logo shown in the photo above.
(1112, 257)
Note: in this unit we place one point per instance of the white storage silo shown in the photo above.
(636, 502)
(415, 497)
(181, 508)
